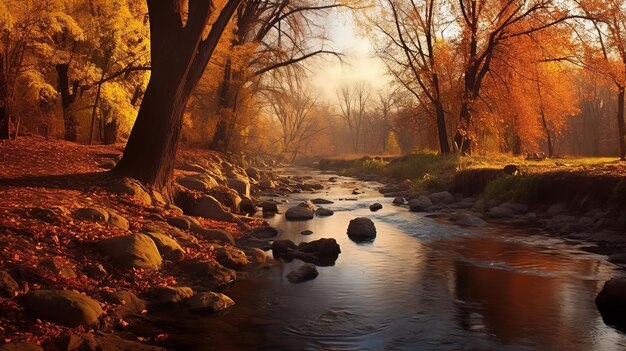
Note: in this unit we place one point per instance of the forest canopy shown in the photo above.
(470, 76)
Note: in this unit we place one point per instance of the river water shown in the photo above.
(422, 284)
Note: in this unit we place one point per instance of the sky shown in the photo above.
(359, 62)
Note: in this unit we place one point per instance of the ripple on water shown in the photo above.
(335, 323)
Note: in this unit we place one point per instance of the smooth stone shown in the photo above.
(375, 207)
(319, 201)
(135, 250)
(63, 307)
(324, 212)
(420, 204)
(231, 257)
(299, 213)
(164, 295)
(361, 229)
(302, 274)
(209, 302)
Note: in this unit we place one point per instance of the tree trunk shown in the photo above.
(67, 100)
(444, 146)
(5, 118)
(110, 132)
(548, 136)
(179, 57)
(621, 127)
(151, 148)
(226, 110)
(95, 104)
(462, 141)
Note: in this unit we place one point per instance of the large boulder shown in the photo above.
(134, 189)
(247, 206)
(283, 248)
(8, 286)
(420, 204)
(217, 235)
(209, 302)
(468, 220)
(611, 301)
(94, 214)
(166, 295)
(208, 207)
(302, 274)
(322, 252)
(117, 220)
(179, 222)
(361, 229)
(135, 250)
(200, 182)
(240, 184)
(212, 272)
(299, 213)
(231, 257)
(169, 248)
(129, 303)
(57, 267)
(228, 197)
(63, 307)
(269, 206)
(441, 198)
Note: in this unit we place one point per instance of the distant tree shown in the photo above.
(409, 49)
(180, 52)
(353, 102)
(607, 53)
(295, 108)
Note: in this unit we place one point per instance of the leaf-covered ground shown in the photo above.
(38, 173)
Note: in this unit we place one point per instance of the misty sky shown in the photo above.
(359, 63)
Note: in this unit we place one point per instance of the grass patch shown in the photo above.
(515, 188)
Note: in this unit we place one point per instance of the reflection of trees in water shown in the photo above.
(547, 303)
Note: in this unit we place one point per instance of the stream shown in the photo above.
(422, 284)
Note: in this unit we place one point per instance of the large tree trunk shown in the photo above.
(179, 57)
(151, 149)
(621, 127)
(5, 118)
(67, 101)
(227, 109)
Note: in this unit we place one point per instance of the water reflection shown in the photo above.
(423, 284)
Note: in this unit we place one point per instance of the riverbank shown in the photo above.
(580, 199)
(86, 257)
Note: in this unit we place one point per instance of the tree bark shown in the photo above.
(621, 126)
(179, 57)
(444, 146)
(548, 135)
(5, 118)
(462, 140)
(67, 100)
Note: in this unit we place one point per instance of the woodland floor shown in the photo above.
(39, 173)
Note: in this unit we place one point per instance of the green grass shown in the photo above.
(433, 172)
